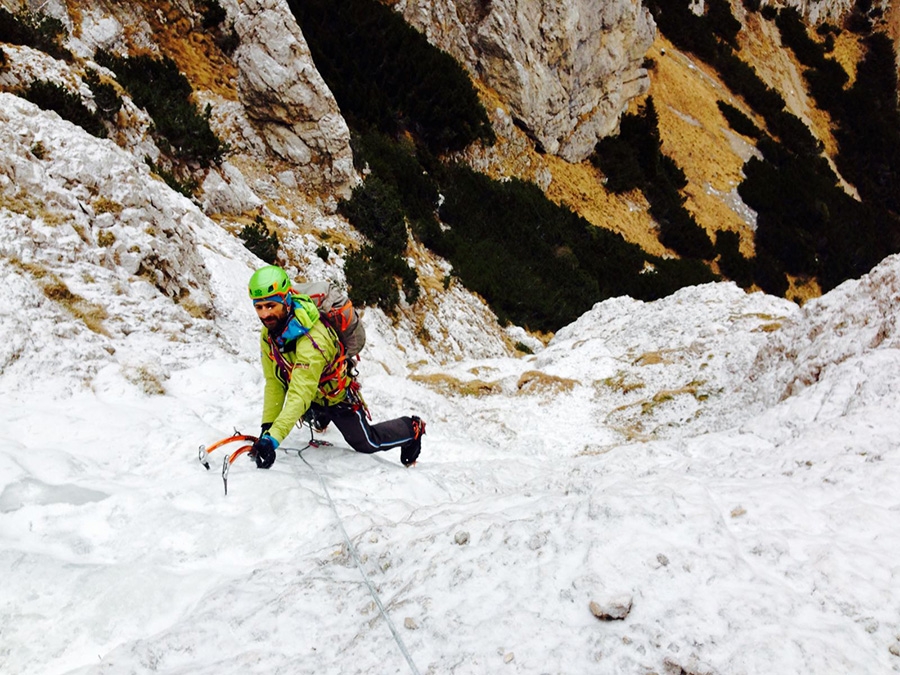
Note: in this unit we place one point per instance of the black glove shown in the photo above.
(264, 451)
(264, 428)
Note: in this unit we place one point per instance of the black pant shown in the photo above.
(351, 421)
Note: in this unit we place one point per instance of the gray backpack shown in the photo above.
(338, 313)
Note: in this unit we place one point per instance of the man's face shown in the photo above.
(272, 313)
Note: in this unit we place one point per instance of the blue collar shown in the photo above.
(292, 330)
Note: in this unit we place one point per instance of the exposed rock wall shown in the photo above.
(286, 97)
(282, 94)
(566, 68)
(819, 10)
(815, 11)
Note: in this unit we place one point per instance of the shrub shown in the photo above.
(769, 275)
(372, 277)
(522, 347)
(106, 98)
(868, 130)
(680, 232)
(35, 30)
(795, 136)
(213, 19)
(634, 159)
(806, 224)
(794, 35)
(386, 76)
(668, 275)
(851, 237)
(859, 20)
(825, 77)
(722, 21)
(184, 186)
(685, 30)
(738, 120)
(213, 14)
(373, 272)
(260, 241)
(535, 262)
(618, 161)
(375, 210)
(366, 286)
(517, 249)
(157, 86)
(732, 263)
(743, 79)
(51, 96)
(398, 163)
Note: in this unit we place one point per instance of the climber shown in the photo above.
(305, 368)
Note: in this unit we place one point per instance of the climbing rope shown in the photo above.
(356, 559)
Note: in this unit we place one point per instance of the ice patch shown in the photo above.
(33, 492)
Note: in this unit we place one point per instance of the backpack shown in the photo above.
(338, 313)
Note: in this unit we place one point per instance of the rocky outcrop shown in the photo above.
(84, 209)
(820, 10)
(286, 98)
(816, 11)
(566, 68)
(286, 112)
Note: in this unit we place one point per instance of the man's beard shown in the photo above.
(276, 325)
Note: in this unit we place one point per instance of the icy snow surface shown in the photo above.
(725, 464)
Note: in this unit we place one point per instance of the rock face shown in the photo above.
(567, 68)
(89, 210)
(286, 97)
(821, 10)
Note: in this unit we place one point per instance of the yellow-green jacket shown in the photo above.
(308, 369)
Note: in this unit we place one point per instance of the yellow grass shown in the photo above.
(194, 51)
(536, 382)
(447, 384)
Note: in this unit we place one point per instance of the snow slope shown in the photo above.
(724, 464)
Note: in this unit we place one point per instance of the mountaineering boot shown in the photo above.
(409, 453)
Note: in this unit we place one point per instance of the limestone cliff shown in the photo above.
(284, 95)
(554, 76)
(267, 98)
(567, 70)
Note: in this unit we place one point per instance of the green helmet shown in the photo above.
(269, 281)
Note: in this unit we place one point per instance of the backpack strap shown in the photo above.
(335, 370)
(284, 368)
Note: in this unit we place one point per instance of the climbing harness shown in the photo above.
(355, 398)
(336, 372)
